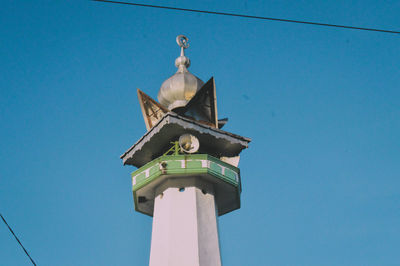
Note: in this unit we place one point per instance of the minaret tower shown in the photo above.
(187, 172)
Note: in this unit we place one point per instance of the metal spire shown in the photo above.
(182, 62)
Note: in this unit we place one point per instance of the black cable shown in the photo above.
(12, 232)
(249, 16)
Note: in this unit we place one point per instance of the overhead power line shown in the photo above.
(12, 232)
(249, 16)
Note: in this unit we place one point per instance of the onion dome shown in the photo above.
(176, 91)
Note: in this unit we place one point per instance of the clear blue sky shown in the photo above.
(320, 180)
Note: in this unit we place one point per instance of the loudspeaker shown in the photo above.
(189, 143)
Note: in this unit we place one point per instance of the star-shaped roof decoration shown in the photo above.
(202, 108)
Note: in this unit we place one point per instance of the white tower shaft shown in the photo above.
(185, 231)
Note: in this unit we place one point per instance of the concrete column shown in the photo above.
(185, 231)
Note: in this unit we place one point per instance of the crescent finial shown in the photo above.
(183, 42)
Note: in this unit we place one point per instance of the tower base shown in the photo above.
(185, 231)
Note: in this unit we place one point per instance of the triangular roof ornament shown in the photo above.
(152, 111)
(203, 106)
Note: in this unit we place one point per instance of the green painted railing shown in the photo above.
(185, 165)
